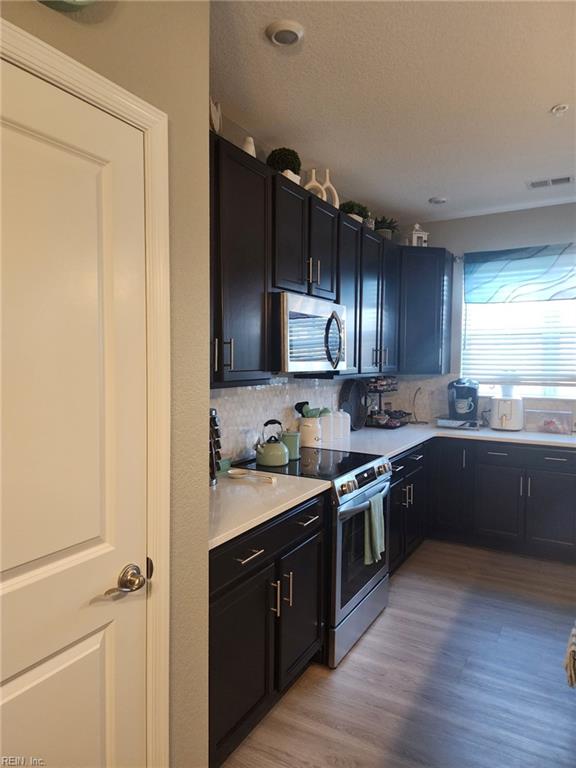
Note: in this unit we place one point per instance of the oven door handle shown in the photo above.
(346, 514)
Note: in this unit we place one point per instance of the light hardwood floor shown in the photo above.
(463, 670)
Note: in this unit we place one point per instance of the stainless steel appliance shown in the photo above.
(463, 400)
(507, 413)
(312, 334)
(359, 592)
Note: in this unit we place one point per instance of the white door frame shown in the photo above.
(35, 56)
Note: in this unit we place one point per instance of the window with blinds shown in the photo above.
(520, 316)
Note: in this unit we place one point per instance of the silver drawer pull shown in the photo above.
(255, 553)
(278, 587)
(553, 458)
(397, 468)
(496, 453)
(309, 521)
(416, 457)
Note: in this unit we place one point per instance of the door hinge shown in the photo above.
(149, 568)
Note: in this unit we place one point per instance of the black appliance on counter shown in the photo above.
(359, 592)
(463, 400)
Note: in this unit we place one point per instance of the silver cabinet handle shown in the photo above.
(255, 553)
(397, 468)
(278, 588)
(310, 267)
(406, 502)
(309, 521)
(412, 494)
(290, 577)
(318, 272)
(529, 486)
(496, 453)
(463, 458)
(521, 485)
(374, 356)
(384, 355)
(216, 355)
(553, 458)
(130, 579)
(230, 365)
(416, 457)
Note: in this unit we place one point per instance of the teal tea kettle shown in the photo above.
(271, 452)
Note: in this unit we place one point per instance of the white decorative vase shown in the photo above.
(330, 193)
(356, 217)
(314, 185)
(292, 176)
(385, 233)
(249, 147)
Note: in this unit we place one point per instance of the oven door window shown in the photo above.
(354, 573)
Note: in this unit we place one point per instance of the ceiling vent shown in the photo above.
(556, 182)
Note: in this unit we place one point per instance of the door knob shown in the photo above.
(131, 579)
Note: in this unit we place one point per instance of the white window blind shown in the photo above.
(520, 316)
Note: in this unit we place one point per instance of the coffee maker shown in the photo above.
(463, 400)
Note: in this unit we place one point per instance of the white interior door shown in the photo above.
(73, 660)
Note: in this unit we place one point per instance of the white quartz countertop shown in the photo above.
(237, 506)
(390, 442)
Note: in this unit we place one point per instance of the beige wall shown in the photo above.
(159, 51)
(514, 229)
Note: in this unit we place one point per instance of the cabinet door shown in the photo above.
(241, 660)
(349, 251)
(425, 310)
(398, 502)
(416, 509)
(451, 482)
(301, 622)
(323, 248)
(243, 243)
(498, 508)
(291, 236)
(551, 513)
(390, 308)
(370, 302)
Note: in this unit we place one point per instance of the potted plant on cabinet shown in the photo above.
(386, 227)
(355, 210)
(287, 162)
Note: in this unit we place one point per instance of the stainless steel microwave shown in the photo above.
(313, 334)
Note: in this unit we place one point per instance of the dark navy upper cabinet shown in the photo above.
(291, 263)
(390, 307)
(241, 244)
(323, 249)
(349, 253)
(370, 302)
(305, 241)
(425, 310)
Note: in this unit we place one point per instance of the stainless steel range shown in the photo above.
(359, 592)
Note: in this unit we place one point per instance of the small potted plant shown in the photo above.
(386, 227)
(355, 210)
(287, 162)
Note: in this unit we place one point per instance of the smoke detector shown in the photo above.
(285, 32)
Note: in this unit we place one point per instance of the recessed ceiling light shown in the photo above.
(560, 109)
(437, 200)
(285, 32)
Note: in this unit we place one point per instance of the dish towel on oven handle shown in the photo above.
(570, 663)
(374, 530)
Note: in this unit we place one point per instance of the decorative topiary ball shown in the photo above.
(284, 159)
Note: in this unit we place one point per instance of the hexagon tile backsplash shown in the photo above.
(243, 410)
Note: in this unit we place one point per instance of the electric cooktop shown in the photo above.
(320, 463)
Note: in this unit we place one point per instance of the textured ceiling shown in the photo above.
(406, 100)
